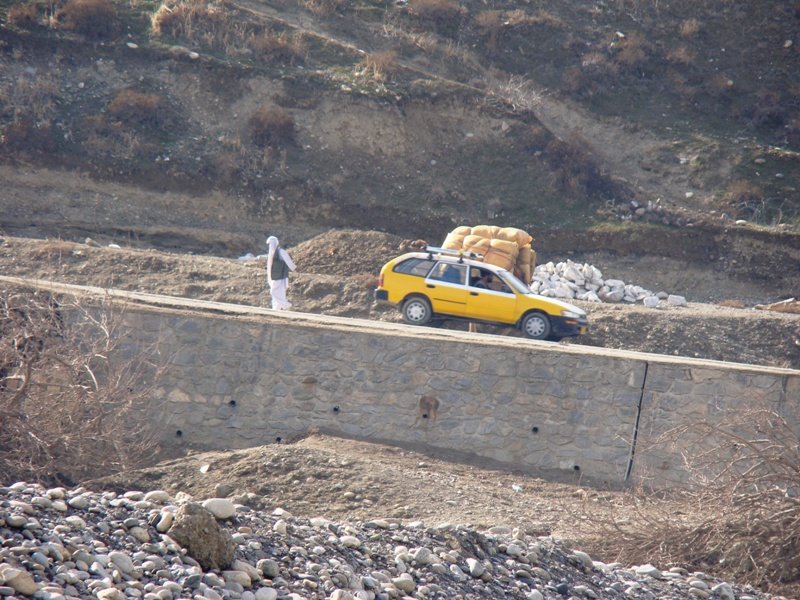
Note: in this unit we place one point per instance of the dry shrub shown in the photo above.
(379, 66)
(31, 98)
(91, 18)
(201, 22)
(271, 125)
(739, 516)
(140, 110)
(574, 169)
(490, 24)
(731, 303)
(745, 200)
(69, 391)
(25, 134)
(25, 16)
(632, 51)
(682, 55)
(444, 16)
(689, 28)
(325, 8)
(278, 47)
(719, 86)
(53, 249)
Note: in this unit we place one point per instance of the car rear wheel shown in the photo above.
(536, 326)
(417, 311)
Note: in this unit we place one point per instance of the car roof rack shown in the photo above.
(461, 254)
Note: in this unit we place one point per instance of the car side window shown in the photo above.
(415, 266)
(449, 273)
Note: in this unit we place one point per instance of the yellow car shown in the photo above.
(437, 284)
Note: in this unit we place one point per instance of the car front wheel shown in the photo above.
(417, 311)
(536, 326)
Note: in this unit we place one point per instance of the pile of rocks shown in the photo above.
(59, 543)
(575, 281)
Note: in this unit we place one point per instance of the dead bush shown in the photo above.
(731, 303)
(92, 18)
(632, 51)
(72, 399)
(25, 134)
(278, 48)
(574, 169)
(53, 250)
(140, 110)
(25, 16)
(443, 16)
(689, 28)
(325, 8)
(682, 55)
(271, 125)
(745, 200)
(739, 515)
(379, 66)
(201, 22)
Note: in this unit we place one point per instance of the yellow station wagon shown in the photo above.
(437, 284)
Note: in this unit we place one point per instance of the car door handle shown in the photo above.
(474, 294)
(430, 285)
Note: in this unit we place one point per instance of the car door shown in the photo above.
(446, 288)
(496, 303)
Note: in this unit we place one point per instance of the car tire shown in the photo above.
(417, 311)
(536, 325)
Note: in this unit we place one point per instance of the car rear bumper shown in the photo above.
(382, 295)
(568, 327)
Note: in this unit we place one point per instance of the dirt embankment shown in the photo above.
(338, 271)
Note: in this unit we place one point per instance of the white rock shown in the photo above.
(651, 301)
(674, 300)
(221, 508)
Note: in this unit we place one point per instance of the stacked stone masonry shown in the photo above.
(236, 382)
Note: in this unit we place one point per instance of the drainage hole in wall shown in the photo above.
(179, 433)
(335, 409)
(535, 429)
(232, 402)
(278, 439)
(424, 415)
(577, 467)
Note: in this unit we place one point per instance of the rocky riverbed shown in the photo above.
(74, 543)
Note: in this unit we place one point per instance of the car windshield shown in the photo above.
(512, 281)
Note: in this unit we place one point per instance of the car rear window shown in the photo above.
(415, 266)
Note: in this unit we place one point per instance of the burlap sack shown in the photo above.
(462, 230)
(486, 231)
(512, 234)
(453, 241)
(476, 243)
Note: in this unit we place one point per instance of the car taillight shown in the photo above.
(380, 280)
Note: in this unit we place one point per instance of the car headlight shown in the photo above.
(571, 314)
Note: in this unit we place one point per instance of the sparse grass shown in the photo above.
(379, 66)
(95, 19)
(632, 51)
(53, 249)
(209, 24)
(271, 125)
(745, 199)
(731, 304)
(278, 47)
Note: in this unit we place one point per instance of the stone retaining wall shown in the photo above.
(240, 382)
(239, 376)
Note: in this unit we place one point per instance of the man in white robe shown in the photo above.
(279, 264)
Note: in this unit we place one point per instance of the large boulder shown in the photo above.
(196, 530)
